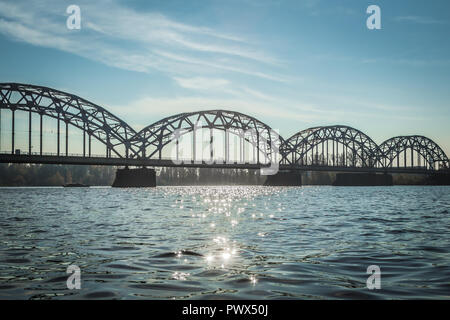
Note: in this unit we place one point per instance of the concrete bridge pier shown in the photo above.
(135, 178)
(288, 178)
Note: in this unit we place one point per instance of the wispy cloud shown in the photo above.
(235, 66)
(432, 62)
(419, 19)
(288, 114)
(409, 61)
(132, 40)
(200, 83)
(157, 108)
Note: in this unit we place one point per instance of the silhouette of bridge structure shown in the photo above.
(61, 128)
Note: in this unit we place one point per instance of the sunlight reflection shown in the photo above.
(223, 253)
(180, 275)
(226, 256)
(209, 258)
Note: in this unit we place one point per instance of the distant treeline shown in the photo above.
(54, 175)
(58, 175)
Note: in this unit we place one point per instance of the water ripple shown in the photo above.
(225, 242)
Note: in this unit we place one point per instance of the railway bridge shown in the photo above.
(43, 125)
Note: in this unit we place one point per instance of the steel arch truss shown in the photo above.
(359, 150)
(393, 148)
(90, 118)
(158, 135)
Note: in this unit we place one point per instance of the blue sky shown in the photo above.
(291, 64)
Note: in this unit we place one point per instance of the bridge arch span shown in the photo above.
(90, 118)
(335, 145)
(330, 146)
(157, 136)
(413, 151)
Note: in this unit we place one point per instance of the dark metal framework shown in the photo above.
(320, 146)
(415, 148)
(158, 135)
(92, 119)
(338, 146)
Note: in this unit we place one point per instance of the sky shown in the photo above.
(291, 64)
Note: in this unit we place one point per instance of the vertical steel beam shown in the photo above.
(29, 132)
(89, 136)
(211, 147)
(317, 153)
(13, 130)
(225, 150)
(57, 136)
(177, 149)
(345, 155)
(353, 155)
(404, 155)
(239, 159)
(257, 147)
(241, 147)
(160, 144)
(293, 157)
(254, 154)
(323, 154)
(337, 152)
(334, 155)
(143, 149)
(398, 160)
(40, 134)
(236, 148)
(363, 159)
(107, 145)
(84, 139)
(67, 138)
(193, 143)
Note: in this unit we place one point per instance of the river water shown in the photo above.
(237, 242)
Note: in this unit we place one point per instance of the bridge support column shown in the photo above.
(288, 178)
(135, 178)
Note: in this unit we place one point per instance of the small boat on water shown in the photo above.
(75, 185)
